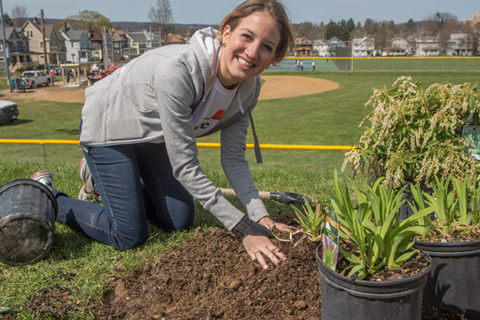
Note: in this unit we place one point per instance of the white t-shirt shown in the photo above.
(212, 110)
(207, 115)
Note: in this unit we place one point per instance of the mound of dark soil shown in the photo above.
(211, 278)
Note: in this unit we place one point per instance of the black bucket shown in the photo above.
(28, 210)
(455, 277)
(346, 298)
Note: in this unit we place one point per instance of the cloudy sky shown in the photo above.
(213, 11)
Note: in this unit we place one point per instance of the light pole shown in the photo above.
(5, 49)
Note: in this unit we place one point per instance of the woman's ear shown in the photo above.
(226, 33)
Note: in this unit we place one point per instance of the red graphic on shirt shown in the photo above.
(218, 115)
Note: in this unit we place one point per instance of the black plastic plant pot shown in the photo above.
(405, 210)
(28, 210)
(455, 277)
(346, 298)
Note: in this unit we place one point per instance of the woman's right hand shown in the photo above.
(258, 246)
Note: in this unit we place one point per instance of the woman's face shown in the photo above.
(249, 49)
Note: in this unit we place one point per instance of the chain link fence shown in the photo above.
(307, 171)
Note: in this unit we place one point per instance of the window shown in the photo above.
(1, 45)
(117, 52)
(72, 44)
(116, 44)
(41, 45)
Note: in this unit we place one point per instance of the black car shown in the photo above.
(8, 111)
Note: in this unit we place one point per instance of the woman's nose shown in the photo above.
(252, 50)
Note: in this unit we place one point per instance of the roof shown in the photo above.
(95, 34)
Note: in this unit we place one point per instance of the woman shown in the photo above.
(139, 127)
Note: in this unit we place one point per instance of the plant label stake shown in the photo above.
(330, 240)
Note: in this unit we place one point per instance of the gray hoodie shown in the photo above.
(154, 96)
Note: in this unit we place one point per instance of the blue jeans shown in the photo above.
(136, 184)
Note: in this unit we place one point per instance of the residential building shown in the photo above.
(424, 45)
(460, 44)
(97, 43)
(121, 51)
(398, 47)
(78, 43)
(332, 45)
(320, 48)
(137, 42)
(54, 42)
(20, 56)
(303, 48)
(174, 39)
(363, 47)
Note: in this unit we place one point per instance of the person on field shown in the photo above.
(313, 65)
(52, 76)
(139, 127)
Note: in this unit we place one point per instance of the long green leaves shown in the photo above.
(374, 227)
(311, 222)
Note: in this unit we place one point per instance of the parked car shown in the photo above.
(34, 79)
(111, 69)
(8, 111)
(97, 67)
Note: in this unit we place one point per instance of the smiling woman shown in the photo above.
(139, 129)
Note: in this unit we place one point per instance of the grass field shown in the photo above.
(329, 118)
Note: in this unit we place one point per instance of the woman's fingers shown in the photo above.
(260, 248)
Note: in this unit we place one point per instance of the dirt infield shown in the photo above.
(275, 87)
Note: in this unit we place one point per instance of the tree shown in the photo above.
(162, 18)
(370, 26)
(330, 30)
(381, 38)
(7, 20)
(19, 16)
(88, 18)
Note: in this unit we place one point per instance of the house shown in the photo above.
(97, 43)
(78, 43)
(473, 20)
(20, 56)
(332, 45)
(54, 42)
(424, 45)
(363, 47)
(121, 51)
(303, 48)
(137, 42)
(398, 47)
(460, 44)
(320, 48)
(174, 39)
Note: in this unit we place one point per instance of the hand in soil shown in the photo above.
(257, 246)
(272, 225)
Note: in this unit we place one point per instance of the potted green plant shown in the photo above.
(453, 243)
(377, 244)
(416, 134)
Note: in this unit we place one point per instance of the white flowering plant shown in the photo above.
(416, 134)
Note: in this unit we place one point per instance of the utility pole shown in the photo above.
(5, 49)
(44, 43)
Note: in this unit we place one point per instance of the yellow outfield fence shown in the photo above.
(304, 158)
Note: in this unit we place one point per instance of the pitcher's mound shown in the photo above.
(276, 87)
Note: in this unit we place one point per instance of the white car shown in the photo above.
(8, 111)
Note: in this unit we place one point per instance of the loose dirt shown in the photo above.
(274, 87)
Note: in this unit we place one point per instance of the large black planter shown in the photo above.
(345, 298)
(455, 277)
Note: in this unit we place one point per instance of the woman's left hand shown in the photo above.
(270, 224)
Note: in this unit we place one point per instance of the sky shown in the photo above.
(213, 11)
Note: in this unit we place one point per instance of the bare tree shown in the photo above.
(19, 16)
(162, 18)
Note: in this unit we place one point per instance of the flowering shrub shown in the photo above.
(416, 134)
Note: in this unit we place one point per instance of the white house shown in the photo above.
(363, 47)
(78, 44)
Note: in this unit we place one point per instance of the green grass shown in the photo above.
(85, 267)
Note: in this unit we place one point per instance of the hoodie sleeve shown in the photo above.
(235, 166)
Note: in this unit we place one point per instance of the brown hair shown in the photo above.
(278, 13)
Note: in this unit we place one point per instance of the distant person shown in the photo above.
(313, 65)
(52, 75)
(139, 129)
(297, 64)
(301, 65)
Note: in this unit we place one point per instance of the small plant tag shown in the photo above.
(330, 240)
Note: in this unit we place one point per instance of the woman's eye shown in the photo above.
(269, 48)
(247, 36)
